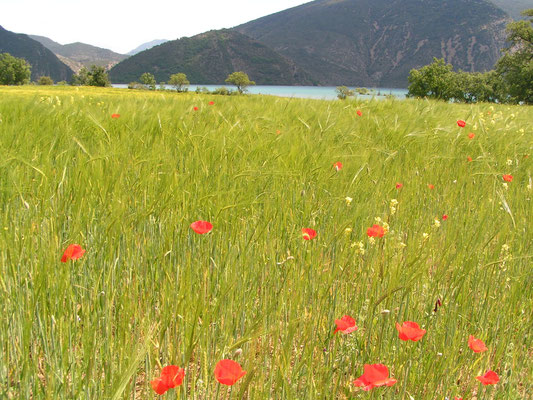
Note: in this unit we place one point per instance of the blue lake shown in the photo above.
(306, 92)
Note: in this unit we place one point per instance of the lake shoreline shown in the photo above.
(306, 92)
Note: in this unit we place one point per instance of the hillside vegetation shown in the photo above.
(124, 174)
(209, 58)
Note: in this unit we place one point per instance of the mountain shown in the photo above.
(377, 42)
(514, 7)
(78, 55)
(209, 58)
(43, 62)
(146, 46)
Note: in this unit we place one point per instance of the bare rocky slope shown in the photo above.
(377, 42)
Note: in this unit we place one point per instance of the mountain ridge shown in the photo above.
(514, 7)
(77, 55)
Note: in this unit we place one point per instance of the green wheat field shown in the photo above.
(149, 291)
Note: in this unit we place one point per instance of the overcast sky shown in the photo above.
(122, 25)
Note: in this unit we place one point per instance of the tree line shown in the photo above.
(17, 71)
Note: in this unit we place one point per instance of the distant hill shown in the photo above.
(43, 61)
(377, 42)
(146, 46)
(514, 7)
(77, 55)
(209, 58)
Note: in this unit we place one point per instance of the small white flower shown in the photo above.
(347, 231)
(509, 162)
(348, 200)
(425, 236)
(436, 223)
(360, 247)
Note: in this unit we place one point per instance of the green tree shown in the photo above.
(436, 80)
(45, 80)
(148, 79)
(473, 87)
(81, 78)
(97, 76)
(179, 81)
(515, 68)
(241, 80)
(343, 92)
(13, 71)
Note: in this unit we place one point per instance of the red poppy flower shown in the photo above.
(360, 113)
(471, 135)
(211, 103)
(508, 178)
(278, 132)
(490, 378)
(308, 233)
(399, 185)
(115, 116)
(346, 325)
(376, 231)
(228, 372)
(374, 375)
(431, 187)
(171, 376)
(73, 252)
(444, 217)
(338, 165)
(201, 227)
(195, 108)
(457, 398)
(410, 331)
(476, 345)
(469, 158)
(461, 123)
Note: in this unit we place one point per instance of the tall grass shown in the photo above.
(150, 292)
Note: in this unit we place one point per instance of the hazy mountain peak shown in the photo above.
(146, 46)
